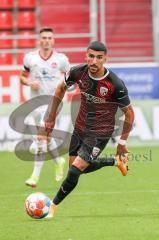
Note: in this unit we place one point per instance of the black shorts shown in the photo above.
(86, 146)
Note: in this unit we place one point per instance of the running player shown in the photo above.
(102, 93)
(43, 68)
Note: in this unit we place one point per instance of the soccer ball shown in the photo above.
(37, 205)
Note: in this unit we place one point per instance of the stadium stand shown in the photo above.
(6, 4)
(26, 41)
(128, 27)
(6, 20)
(26, 4)
(72, 22)
(18, 26)
(26, 20)
(6, 58)
(4, 42)
(19, 58)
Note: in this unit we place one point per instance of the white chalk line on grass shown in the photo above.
(117, 192)
(89, 193)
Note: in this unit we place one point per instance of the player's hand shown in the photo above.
(49, 125)
(35, 85)
(122, 151)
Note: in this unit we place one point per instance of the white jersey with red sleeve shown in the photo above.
(48, 72)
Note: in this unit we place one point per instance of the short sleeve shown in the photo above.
(121, 95)
(64, 64)
(70, 78)
(26, 65)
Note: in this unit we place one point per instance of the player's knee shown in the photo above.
(33, 148)
(80, 163)
(38, 146)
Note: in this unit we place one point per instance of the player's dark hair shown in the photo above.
(46, 29)
(97, 46)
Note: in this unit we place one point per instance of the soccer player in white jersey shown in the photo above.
(43, 68)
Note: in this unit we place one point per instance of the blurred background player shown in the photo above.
(102, 93)
(43, 68)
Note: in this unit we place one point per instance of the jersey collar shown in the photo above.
(101, 78)
(45, 59)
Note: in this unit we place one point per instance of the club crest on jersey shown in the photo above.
(103, 91)
(95, 151)
(44, 72)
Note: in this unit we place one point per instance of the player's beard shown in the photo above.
(93, 69)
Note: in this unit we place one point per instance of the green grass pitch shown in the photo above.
(104, 206)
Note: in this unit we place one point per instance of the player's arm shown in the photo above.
(25, 80)
(123, 100)
(25, 74)
(127, 126)
(128, 122)
(53, 108)
(52, 111)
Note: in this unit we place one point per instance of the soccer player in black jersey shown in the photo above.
(102, 93)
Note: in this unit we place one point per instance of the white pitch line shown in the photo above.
(91, 193)
(117, 192)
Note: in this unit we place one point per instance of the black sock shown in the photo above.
(99, 163)
(68, 184)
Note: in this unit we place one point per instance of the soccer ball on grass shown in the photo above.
(37, 205)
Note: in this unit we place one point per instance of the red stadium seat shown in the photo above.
(26, 42)
(20, 57)
(6, 4)
(5, 43)
(26, 19)
(6, 20)
(6, 58)
(26, 4)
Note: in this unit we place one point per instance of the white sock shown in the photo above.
(42, 145)
(59, 160)
(52, 145)
(38, 164)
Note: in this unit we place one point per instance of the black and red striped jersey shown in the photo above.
(100, 99)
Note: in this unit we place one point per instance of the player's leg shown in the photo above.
(71, 160)
(59, 160)
(71, 180)
(94, 149)
(96, 165)
(97, 162)
(75, 144)
(100, 163)
(68, 184)
(38, 148)
(108, 161)
(53, 206)
(77, 165)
